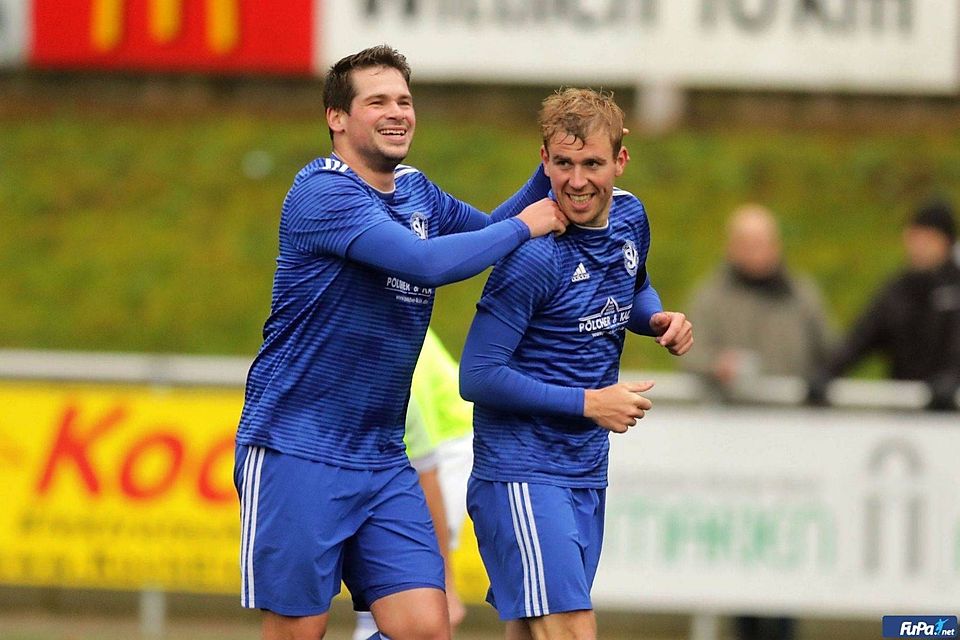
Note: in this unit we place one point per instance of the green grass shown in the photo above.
(140, 231)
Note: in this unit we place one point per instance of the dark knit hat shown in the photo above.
(937, 214)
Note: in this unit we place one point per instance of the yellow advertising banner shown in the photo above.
(129, 487)
(119, 487)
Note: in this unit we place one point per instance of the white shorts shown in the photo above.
(456, 462)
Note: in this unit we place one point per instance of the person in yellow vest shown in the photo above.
(439, 440)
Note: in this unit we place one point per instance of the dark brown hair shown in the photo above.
(338, 89)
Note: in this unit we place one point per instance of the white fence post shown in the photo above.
(153, 613)
(704, 625)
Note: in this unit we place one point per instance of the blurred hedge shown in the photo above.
(146, 230)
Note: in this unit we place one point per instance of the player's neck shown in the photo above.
(380, 178)
(601, 221)
(595, 225)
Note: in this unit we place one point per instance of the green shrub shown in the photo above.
(140, 232)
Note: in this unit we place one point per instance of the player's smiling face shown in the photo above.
(380, 125)
(582, 173)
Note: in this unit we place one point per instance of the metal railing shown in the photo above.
(231, 371)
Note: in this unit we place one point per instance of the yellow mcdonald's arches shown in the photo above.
(223, 25)
(166, 17)
(106, 24)
(165, 20)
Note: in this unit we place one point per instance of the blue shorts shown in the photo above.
(540, 545)
(308, 525)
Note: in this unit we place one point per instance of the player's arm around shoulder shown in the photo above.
(540, 215)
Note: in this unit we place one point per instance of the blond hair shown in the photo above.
(580, 113)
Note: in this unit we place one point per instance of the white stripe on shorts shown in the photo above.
(536, 548)
(252, 467)
(523, 551)
(244, 511)
(525, 529)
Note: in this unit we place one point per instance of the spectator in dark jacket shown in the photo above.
(914, 320)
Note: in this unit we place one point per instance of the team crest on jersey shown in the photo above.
(631, 259)
(420, 224)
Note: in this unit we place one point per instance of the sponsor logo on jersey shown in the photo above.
(580, 274)
(612, 317)
(420, 224)
(409, 293)
(631, 258)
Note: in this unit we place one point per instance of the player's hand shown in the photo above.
(674, 331)
(619, 406)
(543, 217)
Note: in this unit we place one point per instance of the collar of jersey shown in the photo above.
(384, 194)
(580, 231)
(586, 228)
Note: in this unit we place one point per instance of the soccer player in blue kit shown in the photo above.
(326, 489)
(541, 364)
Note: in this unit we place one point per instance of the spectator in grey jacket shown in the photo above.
(753, 316)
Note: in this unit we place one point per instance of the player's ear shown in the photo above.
(335, 119)
(545, 158)
(623, 157)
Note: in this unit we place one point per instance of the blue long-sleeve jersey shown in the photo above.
(551, 323)
(352, 298)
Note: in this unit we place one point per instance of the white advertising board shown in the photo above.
(872, 45)
(784, 510)
(13, 31)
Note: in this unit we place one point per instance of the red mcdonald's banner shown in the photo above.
(230, 36)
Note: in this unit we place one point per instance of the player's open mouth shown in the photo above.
(392, 133)
(580, 199)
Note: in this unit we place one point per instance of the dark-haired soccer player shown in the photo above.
(327, 492)
(541, 363)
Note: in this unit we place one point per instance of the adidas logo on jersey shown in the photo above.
(580, 274)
